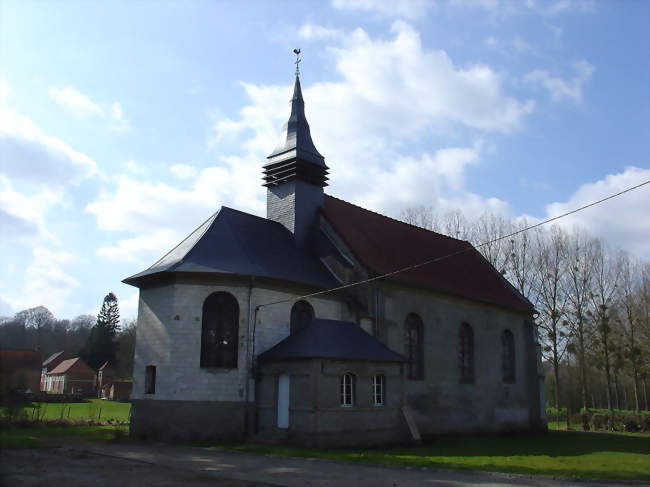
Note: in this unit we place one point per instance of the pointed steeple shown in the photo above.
(296, 157)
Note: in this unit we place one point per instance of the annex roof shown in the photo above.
(72, 363)
(234, 242)
(384, 245)
(331, 339)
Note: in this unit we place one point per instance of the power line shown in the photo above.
(453, 254)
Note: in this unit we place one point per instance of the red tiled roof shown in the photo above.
(11, 359)
(67, 365)
(384, 245)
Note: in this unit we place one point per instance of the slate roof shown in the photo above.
(52, 358)
(334, 340)
(234, 242)
(384, 245)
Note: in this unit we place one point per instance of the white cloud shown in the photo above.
(29, 154)
(560, 89)
(133, 249)
(409, 9)
(506, 8)
(392, 92)
(317, 32)
(46, 281)
(82, 106)
(183, 171)
(510, 47)
(623, 221)
(76, 101)
(119, 124)
(36, 170)
(21, 215)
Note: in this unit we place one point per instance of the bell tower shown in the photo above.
(295, 173)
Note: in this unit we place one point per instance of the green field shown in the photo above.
(94, 409)
(564, 454)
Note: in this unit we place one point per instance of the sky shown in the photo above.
(126, 124)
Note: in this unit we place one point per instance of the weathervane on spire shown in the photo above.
(297, 63)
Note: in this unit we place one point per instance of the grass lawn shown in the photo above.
(37, 436)
(567, 454)
(96, 409)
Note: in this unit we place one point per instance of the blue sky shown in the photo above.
(124, 125)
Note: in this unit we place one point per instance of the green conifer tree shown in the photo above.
(101, 345)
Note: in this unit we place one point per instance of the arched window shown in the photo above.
(466, 353)
(508, 356)
(219, 331)
(301, 314)
(414, 337)
(347, 390)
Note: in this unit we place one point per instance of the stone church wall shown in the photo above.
(169, 338)
(440, 402)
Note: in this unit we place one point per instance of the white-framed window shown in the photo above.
(378, 389)
(347, 390)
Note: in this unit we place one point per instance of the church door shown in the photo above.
(283, 401)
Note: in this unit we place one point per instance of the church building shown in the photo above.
(249, 329)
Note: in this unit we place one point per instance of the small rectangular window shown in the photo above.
(150, 380)
(347, 390)
(378, 384)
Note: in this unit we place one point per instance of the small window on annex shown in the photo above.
(301, 314)
(466, 353)
(150, 379)
(219, 331)
(508, 356)
(378, 389)
(415, 339)
(347, 390)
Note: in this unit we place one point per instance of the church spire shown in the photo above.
(296, 157)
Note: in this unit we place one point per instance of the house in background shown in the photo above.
(105, 375)
(50, 363)
(72, 376)
(108, 387)
(246, 327)
(117, 390)
(20, 371)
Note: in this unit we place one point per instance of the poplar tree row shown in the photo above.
(593, 304)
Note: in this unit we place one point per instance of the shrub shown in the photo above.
(600, 421)
(631, 423)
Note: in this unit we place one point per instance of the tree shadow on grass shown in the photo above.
(552, 444)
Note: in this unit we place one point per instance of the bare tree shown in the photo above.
(579, 281)
(607, 273)
(550, 267)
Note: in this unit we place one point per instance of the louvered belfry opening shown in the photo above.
(295, 174)
(296, 157)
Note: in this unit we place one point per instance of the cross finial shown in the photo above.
(297, 62)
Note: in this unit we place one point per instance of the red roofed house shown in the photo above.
(248, 326)
(20, 371)
(72, 376)
(49, 364)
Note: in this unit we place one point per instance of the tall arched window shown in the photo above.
(508, 356)
(466, 353)
(301, 314)
(219, 331)
(414, 337)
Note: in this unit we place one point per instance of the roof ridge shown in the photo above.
(400, 221)
(212, 216)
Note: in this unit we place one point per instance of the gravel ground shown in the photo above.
(73, 467)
